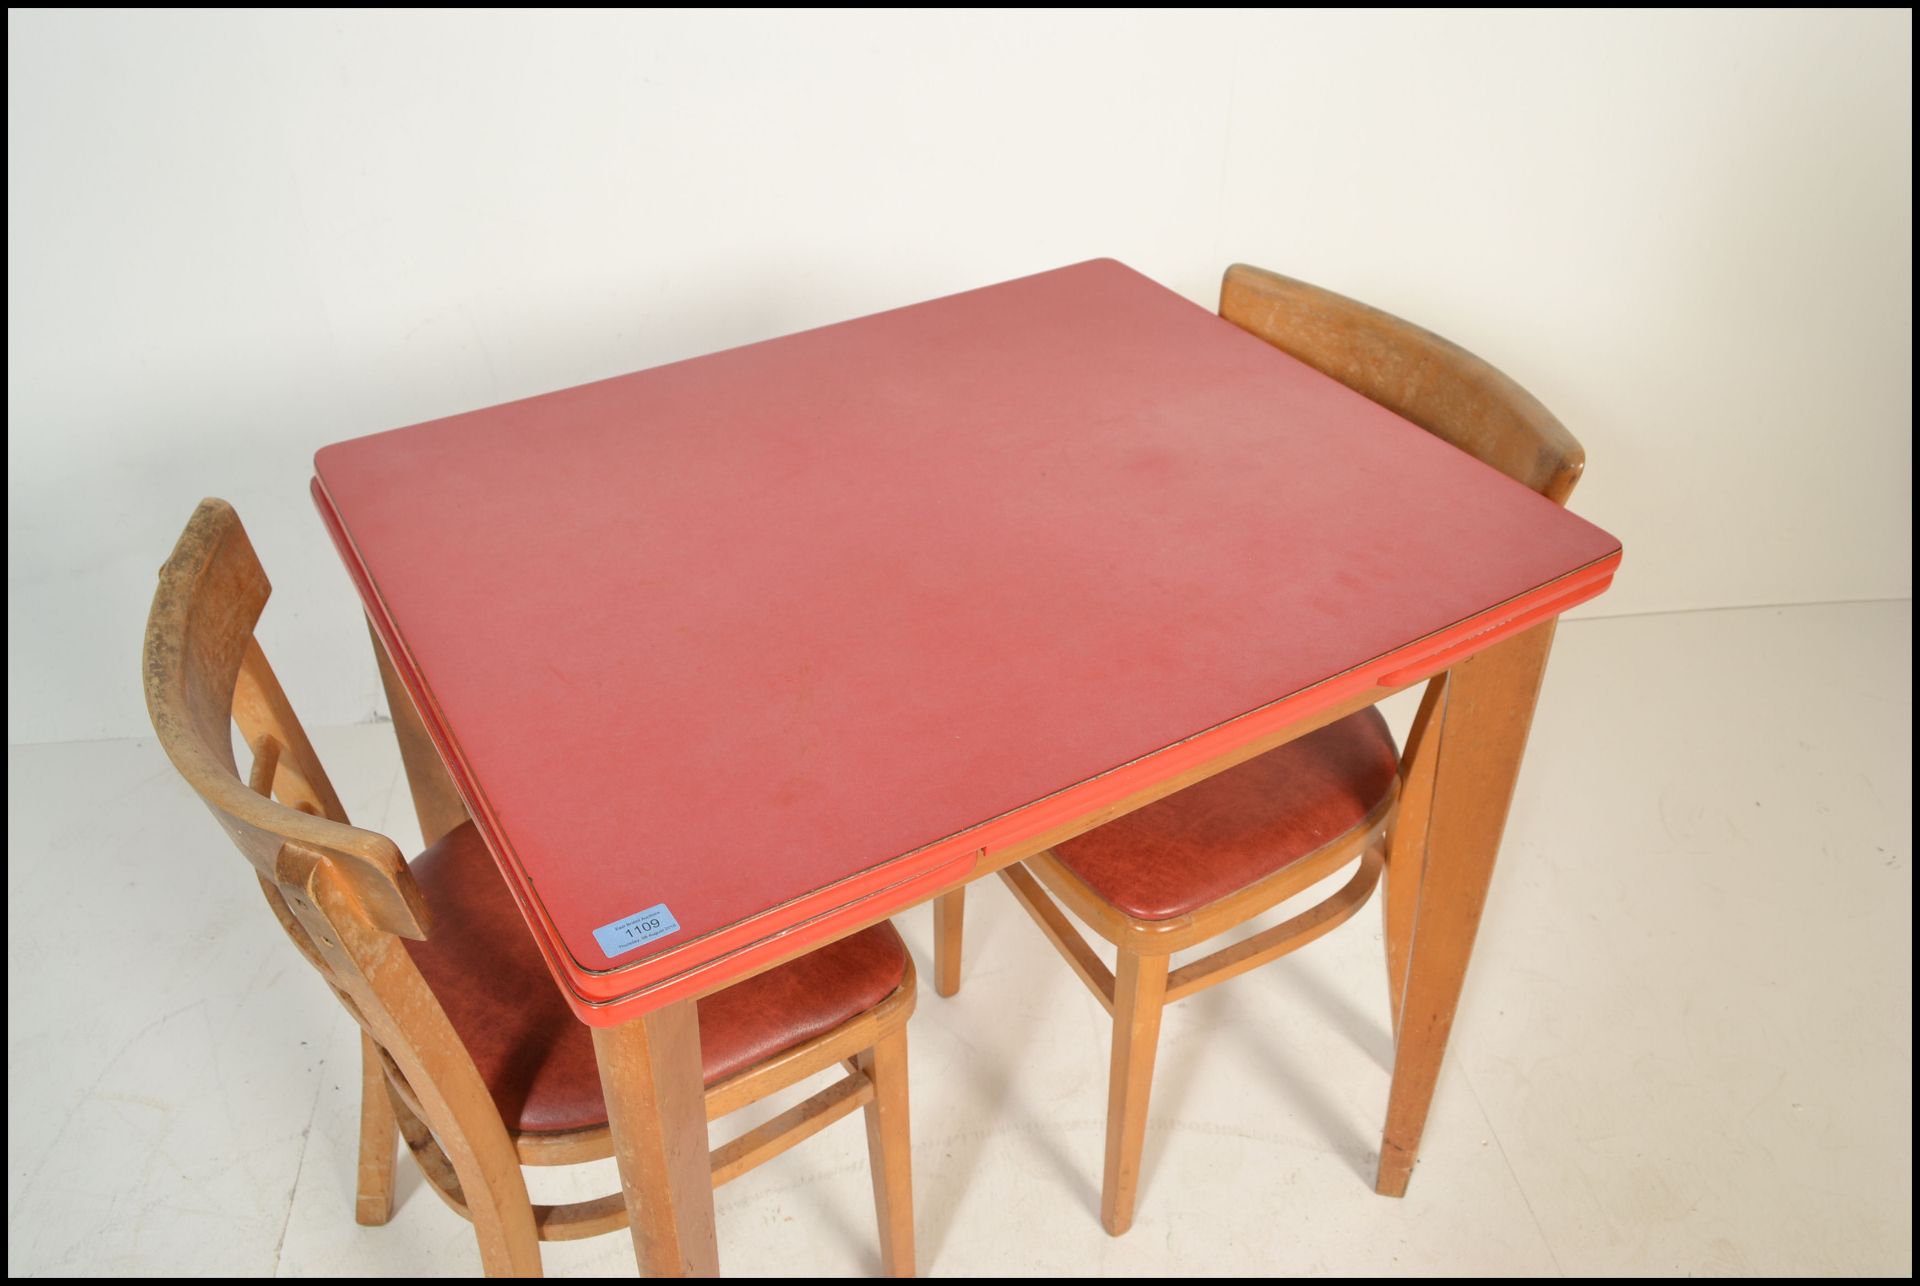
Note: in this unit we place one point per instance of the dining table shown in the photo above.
(732, 657)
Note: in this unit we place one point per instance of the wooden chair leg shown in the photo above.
(379, 1139)
(949, 919)
(1139, 994)
(495, 1194)
(509, 1239)
(889, 1148)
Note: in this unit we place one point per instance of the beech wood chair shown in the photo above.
(1191, 866)
(470, 1054)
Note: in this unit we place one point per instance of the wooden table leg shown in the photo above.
(657, 1107)
(435, 800)
(1482, 735)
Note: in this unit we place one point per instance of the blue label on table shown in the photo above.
(636, 930)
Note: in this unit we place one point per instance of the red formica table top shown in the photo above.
(760, 642)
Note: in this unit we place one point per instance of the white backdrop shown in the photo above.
(233, 238)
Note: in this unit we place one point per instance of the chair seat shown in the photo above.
(1237, 827)
(537, 1058)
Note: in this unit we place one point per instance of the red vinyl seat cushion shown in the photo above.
(1240, 826)
(537, 1058)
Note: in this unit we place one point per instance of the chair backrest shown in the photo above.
(1436, 384)
(345, 896)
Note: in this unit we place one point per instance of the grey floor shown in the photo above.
(1686, 1046)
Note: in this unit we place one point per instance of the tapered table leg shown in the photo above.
(435, 800)
(656, 1105)
(1482, 735)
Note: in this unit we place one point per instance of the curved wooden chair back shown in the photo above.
(344, 895)
(1413, 372)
